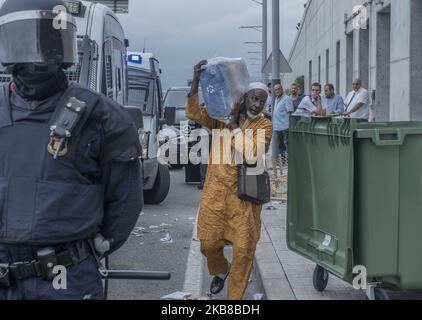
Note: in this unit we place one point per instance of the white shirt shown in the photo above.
(355, 97)
(306, 108)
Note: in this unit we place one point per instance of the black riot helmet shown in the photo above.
(38, 32)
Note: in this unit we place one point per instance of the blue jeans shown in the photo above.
(280, 143)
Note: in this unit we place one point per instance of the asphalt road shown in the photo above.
(146, 249)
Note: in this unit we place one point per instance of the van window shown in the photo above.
(118, 65)
(157, 99)
(108, 83)
(177, 98)
(160, 111)
(114, 80)
(138, 97)
(113, 29)
(141, 90)
(155, 66)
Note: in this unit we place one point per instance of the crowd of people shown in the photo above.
(356, 105)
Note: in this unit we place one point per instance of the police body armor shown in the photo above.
(44, 200)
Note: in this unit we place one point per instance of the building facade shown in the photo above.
(378, 41)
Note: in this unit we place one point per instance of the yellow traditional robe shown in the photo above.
(223, 215)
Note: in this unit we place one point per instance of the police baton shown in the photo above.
(134, 275)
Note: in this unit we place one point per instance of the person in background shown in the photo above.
(283, 108)
(295, 95)
(311, 105)
(332, 103)
(300, 91)
(357, 102)
(268, 105)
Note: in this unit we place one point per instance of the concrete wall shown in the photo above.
(323, 26)
(400, 60)
(381, 57)
(387, 55)
(416, 60)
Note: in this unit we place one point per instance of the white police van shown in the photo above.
(102, 50)
(145, 92)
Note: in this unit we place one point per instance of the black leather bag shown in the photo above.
(253, 185)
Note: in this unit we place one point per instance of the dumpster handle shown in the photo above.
(378, 134)
(380, 138)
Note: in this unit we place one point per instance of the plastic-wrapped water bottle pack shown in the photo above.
(223, 81)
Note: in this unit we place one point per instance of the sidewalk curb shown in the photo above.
(270, 270)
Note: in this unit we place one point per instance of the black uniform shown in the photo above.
(47, 202)
(69, 167)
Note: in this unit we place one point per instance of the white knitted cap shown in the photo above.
(257, 85)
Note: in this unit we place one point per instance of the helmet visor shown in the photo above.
(38, 37)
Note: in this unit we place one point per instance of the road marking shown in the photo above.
(194, 267)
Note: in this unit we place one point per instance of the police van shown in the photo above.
(102, 50)
(145, 92)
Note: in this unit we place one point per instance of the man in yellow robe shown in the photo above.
(223, 216)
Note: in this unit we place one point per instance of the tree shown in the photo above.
(301, 82)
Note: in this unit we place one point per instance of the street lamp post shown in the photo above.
(276, 42)
(264, 38)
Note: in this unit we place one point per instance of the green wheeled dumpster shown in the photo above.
(355, 199)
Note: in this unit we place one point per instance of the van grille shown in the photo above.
(74, 72)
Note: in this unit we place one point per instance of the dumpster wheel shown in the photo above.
(320, 278)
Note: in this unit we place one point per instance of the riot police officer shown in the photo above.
(69, 163)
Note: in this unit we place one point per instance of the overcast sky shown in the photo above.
(183, 32)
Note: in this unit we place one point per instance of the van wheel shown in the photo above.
(161, 187)
(320, 279)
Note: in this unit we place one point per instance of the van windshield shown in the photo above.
(177, 98)
(138, 97)
(180, 115)
(141, 90)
